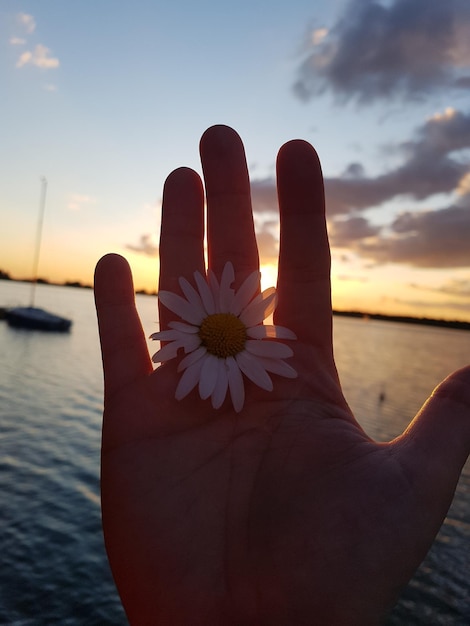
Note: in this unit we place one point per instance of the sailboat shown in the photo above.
(32, 317)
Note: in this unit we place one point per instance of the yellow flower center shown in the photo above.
(223, 334)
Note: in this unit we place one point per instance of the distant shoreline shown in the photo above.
(43, 281)
(402, 319)
(405, 319)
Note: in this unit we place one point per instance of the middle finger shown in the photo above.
(230, 228)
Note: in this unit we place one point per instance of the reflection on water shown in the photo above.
(54, 569)
(404, 362)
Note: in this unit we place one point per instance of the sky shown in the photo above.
(104, 99)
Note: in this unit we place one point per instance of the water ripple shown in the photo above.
(54, 568)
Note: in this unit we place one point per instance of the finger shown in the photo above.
(304, 291)
(123, 344)
(182, 233)
(230, 229)
(437, 443)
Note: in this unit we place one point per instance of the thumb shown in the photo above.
(436, 445)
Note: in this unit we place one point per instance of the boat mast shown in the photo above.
(37, 250)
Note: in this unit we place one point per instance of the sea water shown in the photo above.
(53, 566)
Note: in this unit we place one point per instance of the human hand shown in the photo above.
(284, 513)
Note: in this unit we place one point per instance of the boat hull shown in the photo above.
(34, 318)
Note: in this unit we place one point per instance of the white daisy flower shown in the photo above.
(223, 336)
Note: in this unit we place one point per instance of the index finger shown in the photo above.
(182, 233)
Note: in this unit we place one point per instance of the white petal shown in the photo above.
(166, 335)
(226, 294)
(189, 379)
(192, 295)
(270, 349)
(266, 331)
(205, 293)
(181, 307)
(246, 293)
(190, 342)
(228, 276)
(220, 390)
(276, 366)
(191, 358)
(166, 353)
(235, 383)
(270, 300)
(252, 368)
(259, 308)
(214, 287)
(184, 328)
(225, 300)
(208, 378)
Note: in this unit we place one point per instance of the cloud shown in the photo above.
(435, 161)
(40, 57)
(431, 166)
(264, 196)
(343, 232)
(437, 304)
(318, 36)
(28, 23)
(463, 187)
(268, 244)
(78, 201)
(379, 50)
(438, 239)
(354, 279)
(456, 287)
(146, 246)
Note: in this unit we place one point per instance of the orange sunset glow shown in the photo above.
(393, 139)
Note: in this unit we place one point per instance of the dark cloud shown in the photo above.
(354, 170)
(268, 243)
(380, 50)
(146, 246)
(463, 82)
(430, 166)
(435, 161)
(264, 196)
(437, 238)
(343, 232)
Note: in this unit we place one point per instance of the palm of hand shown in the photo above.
(285, 514)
